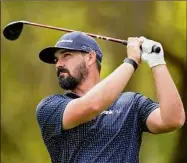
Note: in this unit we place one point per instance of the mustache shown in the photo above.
(62, 70)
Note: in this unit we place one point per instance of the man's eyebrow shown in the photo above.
(61, 52)
(66, 51)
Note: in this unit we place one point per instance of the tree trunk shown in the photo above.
(180, 153)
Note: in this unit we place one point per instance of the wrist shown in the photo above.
(134, 59)
(158, 66)
(156, 62)
(132, 62)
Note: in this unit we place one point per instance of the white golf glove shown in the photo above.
(152, 58)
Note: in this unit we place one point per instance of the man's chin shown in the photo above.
(67, 88)
(66, 84)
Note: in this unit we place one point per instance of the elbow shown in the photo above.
(93, 106)
(179, 121)
(96, 108)
(96, 105)
(182, 117)
(177, 125)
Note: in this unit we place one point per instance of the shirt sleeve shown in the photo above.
(49, 115)
(145, 107)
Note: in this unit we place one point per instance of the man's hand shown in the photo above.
(153, 59)
(133, 48)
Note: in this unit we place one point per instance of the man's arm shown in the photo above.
(98, 98)
(170, 115)
(101, 96)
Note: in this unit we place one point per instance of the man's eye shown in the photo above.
(55, 60)
(67, 54)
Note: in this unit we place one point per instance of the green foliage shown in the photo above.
(25, 80)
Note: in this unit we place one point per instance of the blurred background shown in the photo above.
(25, 80)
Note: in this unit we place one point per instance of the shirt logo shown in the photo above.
(111, 112)
(107, 112)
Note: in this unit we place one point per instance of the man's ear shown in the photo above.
(91, 58)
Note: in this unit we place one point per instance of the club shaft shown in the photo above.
(69, 30)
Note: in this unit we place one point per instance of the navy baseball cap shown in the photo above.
(77, 41)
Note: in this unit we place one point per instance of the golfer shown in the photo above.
(94, 121)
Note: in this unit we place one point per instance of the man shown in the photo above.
(94, 122)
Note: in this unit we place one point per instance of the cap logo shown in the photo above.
(67, 41)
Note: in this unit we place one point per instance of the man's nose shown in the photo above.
(59, 63)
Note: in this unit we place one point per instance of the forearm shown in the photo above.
(171, 107)
(106, 92)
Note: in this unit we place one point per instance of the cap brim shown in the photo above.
(47, 55)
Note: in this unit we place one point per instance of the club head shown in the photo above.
(13, 30)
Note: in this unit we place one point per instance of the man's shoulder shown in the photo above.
(129, 94)
(49, 104)
(51, 101)
(52, 98)
(127, 98)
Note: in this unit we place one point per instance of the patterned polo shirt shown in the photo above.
(114, 136)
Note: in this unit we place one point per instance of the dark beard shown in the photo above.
(68, 83)
(71, 82)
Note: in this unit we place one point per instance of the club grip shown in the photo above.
(155, 49)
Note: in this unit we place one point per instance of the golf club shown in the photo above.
(13, 30)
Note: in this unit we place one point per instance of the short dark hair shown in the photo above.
(98, 65)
